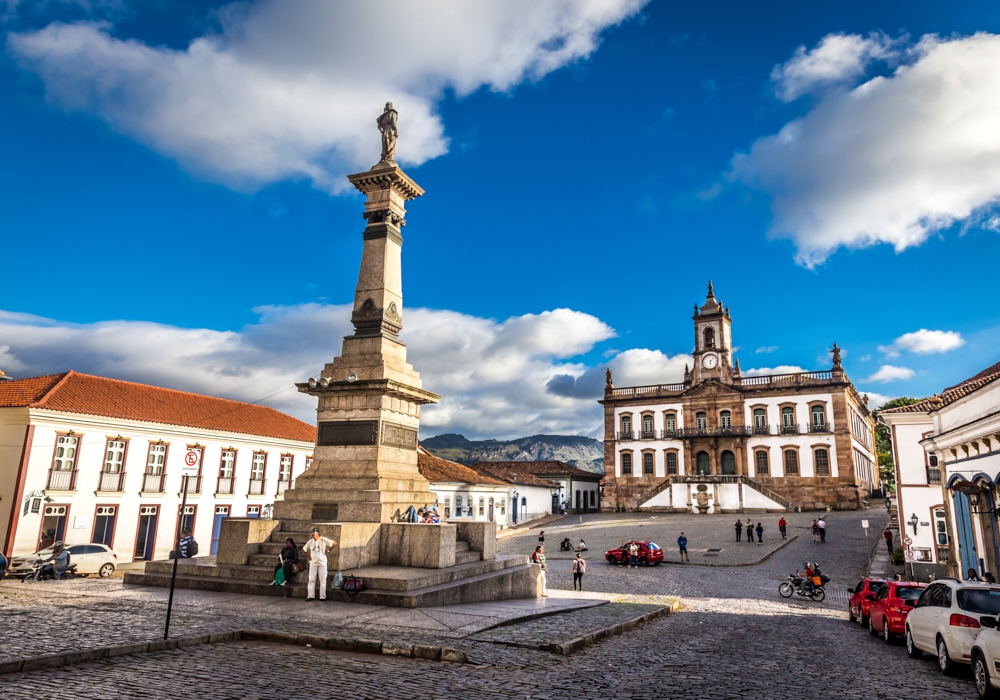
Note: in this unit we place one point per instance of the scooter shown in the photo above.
(43, 571)
(794, 585)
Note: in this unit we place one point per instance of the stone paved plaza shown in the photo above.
(735, 637)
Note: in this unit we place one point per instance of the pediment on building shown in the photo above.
(715, 388)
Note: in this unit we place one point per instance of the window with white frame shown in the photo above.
(647, 425)
(701, 420)
(671, 422)
(726, 419)
(759, 418)
(819, 416)
(156, 459)
(788, 417)
(114, 457)
(64, 457)
(482, 506)
(285, 468)
(940, 527)
(228, 464)
(257, 466)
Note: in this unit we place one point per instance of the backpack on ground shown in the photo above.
(353, 585)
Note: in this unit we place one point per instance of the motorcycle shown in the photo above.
(42, 571)
(794, 585)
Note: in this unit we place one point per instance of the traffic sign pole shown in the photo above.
(177, 555)
(868, 546)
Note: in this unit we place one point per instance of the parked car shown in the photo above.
(986, 658)
(893, 602)
(862, 597)
(89, 559)
(649, 553)
(946, 621)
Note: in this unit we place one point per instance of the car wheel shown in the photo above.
(644, 562)
(786, 590)
(106, 570)
(871, 627)
(981, 674)
(911, 648)
(887, 634)
(947, 666)
(612, 559)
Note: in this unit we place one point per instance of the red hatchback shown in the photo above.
(862, 597)
(649, 553)
(893, 603)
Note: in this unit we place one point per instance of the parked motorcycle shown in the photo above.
(794, 585)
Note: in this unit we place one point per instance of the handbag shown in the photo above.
(297, 566)
(353, 585)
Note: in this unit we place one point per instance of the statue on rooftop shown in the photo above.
(387, 125)
(836, 355)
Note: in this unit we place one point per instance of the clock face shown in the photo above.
(710, 361)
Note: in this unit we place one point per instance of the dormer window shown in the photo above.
(709, 337)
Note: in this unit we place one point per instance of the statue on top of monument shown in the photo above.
(387, 125)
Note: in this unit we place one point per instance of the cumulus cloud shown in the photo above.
(767, 349)
(923, 342)
(838, 58)
(291, 90)
(636, 367)
(894, 160)
(891, 373)
(494, 375)
(780, 369)
(876, 400)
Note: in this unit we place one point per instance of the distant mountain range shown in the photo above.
(582, 452)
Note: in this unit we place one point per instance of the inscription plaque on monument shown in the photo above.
(394, 435)
(348, 432)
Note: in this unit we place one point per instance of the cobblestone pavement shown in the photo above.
(557, 629)
(736, 638)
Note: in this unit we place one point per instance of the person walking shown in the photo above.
(579, 569)
(821, 526)
(539, 558)
(739, 529)
(760, 533)
(317, 548)
(749, 529)
(782, 525)
(888, 504)
(682, 544)
(815, 530)
(888, 539)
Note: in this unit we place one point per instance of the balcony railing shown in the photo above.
(225, 484)
(62, 480)
(647, 435)
(626, 435)
(933, 475)
(284, 486)
(256, 487)
(111, 482)
(670, 434)
(789, 430)
(194, 484)
(762, 430)
(154, 483)
(785, 379)
(648, 390)
(820, 428)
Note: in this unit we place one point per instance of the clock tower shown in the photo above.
(713, 340)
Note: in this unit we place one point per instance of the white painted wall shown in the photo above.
(805, 444)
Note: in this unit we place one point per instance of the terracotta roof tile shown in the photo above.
(538, 468)
(513, 473)
(947, 396)
(439, 470)
(72, 392)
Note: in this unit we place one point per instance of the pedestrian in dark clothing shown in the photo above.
(739, 529)
(888, 540)
(821, 526)
(579, 567)
(749, 528)
(760, 533)
(782, 524)
(682, 544)
(888, 504)
(287, 560)
(541, 537)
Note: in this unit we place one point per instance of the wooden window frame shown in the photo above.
(621, 423)
(784, 460)
(107, 445)
(829, 462)
(652, 455)
(766, 451)
(666, 462)
(697, 417)
(114, 528)
(41, 524)
(621, 463)
(55, 448)
(666, 421)
(826, 412)
(725, 416)
(222, 456)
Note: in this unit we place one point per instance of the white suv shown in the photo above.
(946, 621)
(986, 657)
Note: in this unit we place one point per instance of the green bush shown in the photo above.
(897, 557)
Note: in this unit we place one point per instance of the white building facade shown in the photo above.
(89, 459)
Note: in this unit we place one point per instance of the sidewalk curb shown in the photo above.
(364, 646)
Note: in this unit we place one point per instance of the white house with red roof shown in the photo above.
(91, 459)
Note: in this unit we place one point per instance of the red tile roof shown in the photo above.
(514, 473)
(440, 470)
(539, 468)
(73, 392)
(951, 394)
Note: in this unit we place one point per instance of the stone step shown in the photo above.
(517, 581)
(268, 553)
(466, 557)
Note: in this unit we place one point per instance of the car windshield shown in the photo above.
(47, 552)
(909, 593)
(982, 601)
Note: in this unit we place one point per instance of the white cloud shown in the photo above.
(894, 160)
(494, 376)
(635, 367)
(891, 373)
(292, 90)
(923, 342)
(780, 369)
(836, 59)
(875, 400)
(766, 349)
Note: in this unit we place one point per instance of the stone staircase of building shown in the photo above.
(716, 479)
(470, 580)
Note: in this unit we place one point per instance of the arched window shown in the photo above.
(703, 463)
(482, 506)
(728, 462)
(647, 427)
(761, 462)
(726, 420)
(647, 463)
(701, 420)
(670, 423)
(822, 462)
(458, 506)
(709, 337)
(940, 527)
(788, 420)
(489, 515)
(759, 421)
(671, 463)
(791, 462)
(626, 427)
(524, 504)
(626, 464)
(819, 417)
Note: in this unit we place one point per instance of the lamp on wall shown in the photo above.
(914, 520)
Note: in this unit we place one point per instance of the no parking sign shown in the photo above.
(191, 459)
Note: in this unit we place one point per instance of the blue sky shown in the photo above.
(180, 229)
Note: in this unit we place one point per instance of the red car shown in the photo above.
(862, 597)
(649, 553)
(893, 602)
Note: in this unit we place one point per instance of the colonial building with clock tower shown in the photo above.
(722, 442)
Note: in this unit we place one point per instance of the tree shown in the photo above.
(883, 439)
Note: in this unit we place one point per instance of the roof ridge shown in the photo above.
(51, 390)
